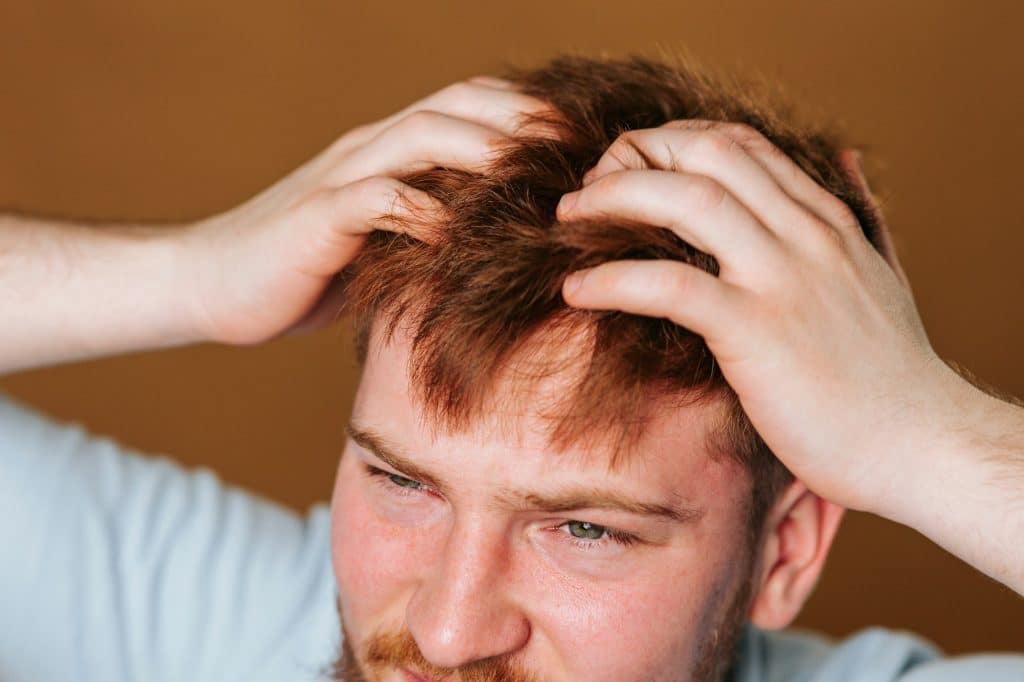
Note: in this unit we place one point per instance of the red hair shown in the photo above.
(488, 292)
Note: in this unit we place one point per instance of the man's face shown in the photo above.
(487, 555)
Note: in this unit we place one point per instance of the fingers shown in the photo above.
(485, 100)
(698, 209)
(420, 141)
(337, 215)
(462, 126)
(790, 177)
(676, 291)
(721, 153)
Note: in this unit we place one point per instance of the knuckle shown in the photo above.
(715, 144)
(743, 132)
(615, 186)
(626, 150)
(752, 140)
(626, 138)
(371, 189)
(827, 244)
(705, 194)
(625, 143)
(421, 121)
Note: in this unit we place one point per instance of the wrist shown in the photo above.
(140, 276)
(169, 252)
(207, 252)
(948, 453)
(963, 491)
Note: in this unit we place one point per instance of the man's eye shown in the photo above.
(585, 531)
(588, 535)
(393, 481)
(404, 482)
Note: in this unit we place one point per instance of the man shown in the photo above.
(531, 491)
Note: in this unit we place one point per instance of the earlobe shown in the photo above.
(798, 535)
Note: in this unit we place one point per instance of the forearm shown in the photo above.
(965, 490)
(72, 292)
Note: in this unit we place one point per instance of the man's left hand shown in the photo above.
(813, 328)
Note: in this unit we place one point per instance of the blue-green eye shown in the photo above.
(393, 479)
(585, 531)
(404, 482)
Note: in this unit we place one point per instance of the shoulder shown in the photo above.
(873, 654)
(131, 566)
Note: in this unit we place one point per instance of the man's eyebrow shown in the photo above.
(565, 501)
(602, 499)
(390, 455)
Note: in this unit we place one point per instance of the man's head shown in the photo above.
(569, 494)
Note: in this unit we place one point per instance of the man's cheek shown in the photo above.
(619, 633)
(375, 563)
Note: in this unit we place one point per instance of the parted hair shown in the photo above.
(486, 294)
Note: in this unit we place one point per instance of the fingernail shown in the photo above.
(574, 281)
(567, 202)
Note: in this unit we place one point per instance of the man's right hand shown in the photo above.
(70, 292)
(268, 267)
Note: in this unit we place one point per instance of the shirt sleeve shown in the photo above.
(120, 566)
(871, 655)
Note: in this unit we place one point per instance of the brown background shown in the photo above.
(169, 111)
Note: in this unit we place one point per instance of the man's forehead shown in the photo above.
(515, 428)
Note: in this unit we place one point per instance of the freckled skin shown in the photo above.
(470, 579)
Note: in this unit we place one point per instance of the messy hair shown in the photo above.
(487, 293)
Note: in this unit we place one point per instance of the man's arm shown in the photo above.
(71, 291)
(817, 334)
(964, 489)
(118, 566)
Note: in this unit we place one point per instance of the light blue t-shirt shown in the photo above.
(118, 566)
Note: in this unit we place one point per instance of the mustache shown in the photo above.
(399, 650)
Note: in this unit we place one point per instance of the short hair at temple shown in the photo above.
(486, 295)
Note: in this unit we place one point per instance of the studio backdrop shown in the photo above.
(116, 110)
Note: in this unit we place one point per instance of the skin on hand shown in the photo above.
(268, 267)
(810, 324)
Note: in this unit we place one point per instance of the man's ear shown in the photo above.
(798, 534)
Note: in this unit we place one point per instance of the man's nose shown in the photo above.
(461, 611)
